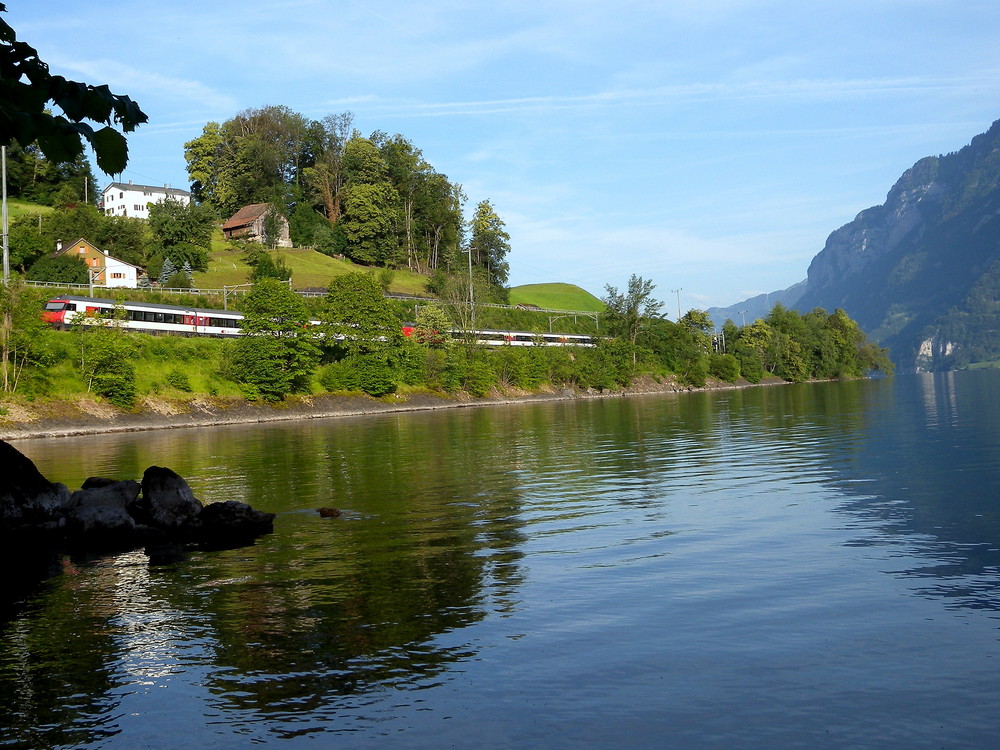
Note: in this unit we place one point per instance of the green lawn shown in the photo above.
(17, 208)
(309, 269)
(556, 297)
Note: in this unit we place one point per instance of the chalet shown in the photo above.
(104, 270)
(248, 224)
(126, 199)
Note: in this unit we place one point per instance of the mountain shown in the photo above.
(757, 307)
(921, 272)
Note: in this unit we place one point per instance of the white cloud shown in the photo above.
(137, 82)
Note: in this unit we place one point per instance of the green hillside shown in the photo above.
(556, 297)
(17, 208)
(310, 268)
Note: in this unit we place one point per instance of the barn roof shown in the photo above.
(246, 216)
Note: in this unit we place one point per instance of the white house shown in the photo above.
(102, 268)
(126, 199)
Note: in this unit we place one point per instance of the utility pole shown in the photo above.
(472, 299)
(6, 249)
(678, 293)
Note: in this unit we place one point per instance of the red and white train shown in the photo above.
(63, 312)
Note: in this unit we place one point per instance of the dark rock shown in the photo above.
(161, 514)
(27, 497)
(166, 502)
(95, 482)
(101, 527)
(232, 524)
(99, 517)
(109, 493)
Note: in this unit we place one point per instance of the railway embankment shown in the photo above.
(88, 416)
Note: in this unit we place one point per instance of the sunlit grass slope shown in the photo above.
(17, 208)
(310, 268)
(555, 297)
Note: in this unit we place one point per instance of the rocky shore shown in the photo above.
(159, 513)
(87, 416)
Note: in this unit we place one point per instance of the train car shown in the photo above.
(521, 338)
(62, 312)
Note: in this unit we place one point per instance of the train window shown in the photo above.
(56, 305)
(157, 317)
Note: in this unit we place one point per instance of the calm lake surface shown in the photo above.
(797, 566)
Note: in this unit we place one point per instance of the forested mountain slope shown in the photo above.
(921, 272)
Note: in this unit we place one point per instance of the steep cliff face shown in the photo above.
(906, 268)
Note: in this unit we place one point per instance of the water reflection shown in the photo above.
(661, 520)
(924, 479)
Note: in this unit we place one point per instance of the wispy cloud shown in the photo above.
(818, 89)
(137, 81)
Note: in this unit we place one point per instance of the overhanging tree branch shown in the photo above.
(27, 92)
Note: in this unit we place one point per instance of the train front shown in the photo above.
(59, 312)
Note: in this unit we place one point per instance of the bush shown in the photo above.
(466, 369)
(696, 372)
(340, 376)
(724, 367)
(178, 280)
(376, 374)
(117, 385)
(751, 369)
(64, 269)
(372, 373)
(179, 380)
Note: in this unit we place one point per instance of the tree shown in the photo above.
(368, 222)
(258, 156)
(370, 205)
(167, 271)
(324, 180)
(24, 337)
(173, 222)
(432, 326)
(123, 237)
(27, 92)
(358, 312)
(182, 232)
(276, 353)
(628, 312)
(490, 243)
(63, 269)
(32, 177)
(27, 242)
(106, 354)
(268, 267)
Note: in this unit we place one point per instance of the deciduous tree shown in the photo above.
(489, 243)
(629, 311)
(276, 353)
(25, 340)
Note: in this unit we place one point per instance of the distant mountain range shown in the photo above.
(919, 273)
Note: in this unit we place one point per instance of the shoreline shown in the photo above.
(92, 417)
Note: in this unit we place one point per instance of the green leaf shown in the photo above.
(111, 150)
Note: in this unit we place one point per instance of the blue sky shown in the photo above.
(707, 145)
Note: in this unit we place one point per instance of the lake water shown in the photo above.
(798, 566)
